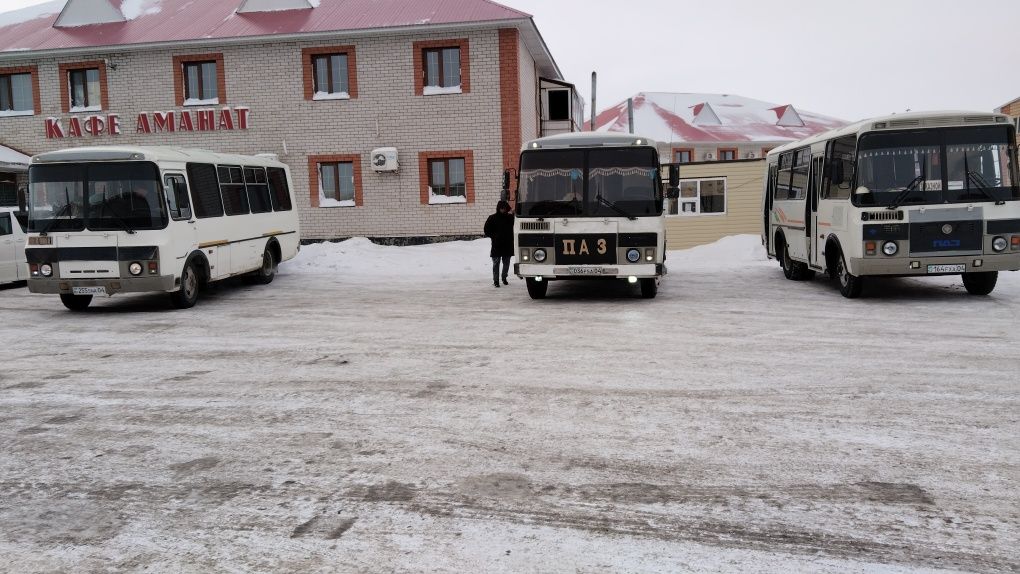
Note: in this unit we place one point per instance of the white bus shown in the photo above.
(590, 205)
(12, 248)
(911, 194)
(106, 220)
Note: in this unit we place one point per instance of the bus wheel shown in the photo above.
(980, 283)
(267, 271)
(187, 295)
(75, 302)
(536, 289)
(649, 288)
(794, 270)
(850, 286)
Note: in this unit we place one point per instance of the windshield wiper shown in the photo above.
(56, 216)
(982, 186)
(123, 222)
(902, 196)
(613, 206)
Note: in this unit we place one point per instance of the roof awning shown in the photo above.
(13, 160)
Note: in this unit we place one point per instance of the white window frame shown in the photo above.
(697, 199)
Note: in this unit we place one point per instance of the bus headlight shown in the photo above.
(890, 248)
(135, 268)
(633, 255)
(1000, 244)
(539, 255)
(46, 269)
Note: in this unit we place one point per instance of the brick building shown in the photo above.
(451, 87)
(1012, 109)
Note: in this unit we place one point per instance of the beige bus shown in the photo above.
(911, 194)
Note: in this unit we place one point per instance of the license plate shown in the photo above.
(88, 290)
(960, 268)
(574, 270)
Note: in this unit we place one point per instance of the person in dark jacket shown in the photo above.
(499, 227)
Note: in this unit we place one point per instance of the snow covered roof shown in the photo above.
(154, 22)
(13, 160)
(713, 118)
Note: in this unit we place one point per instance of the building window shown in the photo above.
(199, 80)
(559, 105)
(447, 177)
(84, 90)
(18, 92)
(699, 197)
(442, 67)
(330, 73)
(336, 180)
(727, 154)
(683, 155)
(8, 193)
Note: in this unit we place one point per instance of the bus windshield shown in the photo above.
(589, 183)
(931, 166)
(121, 196)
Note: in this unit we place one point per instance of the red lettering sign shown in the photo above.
(114, 122)
(143, 126)
(74, 128)
(95, 125)
(226, 120)
(206, 120)
(186, 125)
(242, 117)
(163, 121)
(53, 129)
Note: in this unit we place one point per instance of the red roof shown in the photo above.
(182, 20)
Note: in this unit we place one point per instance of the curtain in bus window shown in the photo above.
(258, 189)
(977, 162)
(235, 200)
(279, 192)
(205, 190)
(625, 179)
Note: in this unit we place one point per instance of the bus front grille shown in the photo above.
(946, 237)
(535, 226)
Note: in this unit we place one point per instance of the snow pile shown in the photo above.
(360, 259)
(132, 9)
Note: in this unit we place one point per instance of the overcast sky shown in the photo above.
(851, 59)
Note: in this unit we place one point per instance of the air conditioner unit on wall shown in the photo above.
(385, 159)
(709, 156)
(751, 155)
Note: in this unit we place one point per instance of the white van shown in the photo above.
(12, 248)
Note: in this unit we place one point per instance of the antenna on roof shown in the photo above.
(591, 126)
(630, 114)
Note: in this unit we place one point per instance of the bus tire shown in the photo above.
(267, 271)
(649, 288)
(191, 282)
(75, 302)
(536, 289)
(850, 285)
(794, 270)
(980, 283)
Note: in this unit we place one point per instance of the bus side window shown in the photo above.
(784, 176)
(177, 197)
(839, 158)
(279, 192)
(206, 190)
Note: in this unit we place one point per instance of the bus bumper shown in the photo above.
(112, 285)
(554, 272)
(911, 266)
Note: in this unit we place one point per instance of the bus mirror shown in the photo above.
(674, 176)
(506, 182)
(23, 199)
(862, 191)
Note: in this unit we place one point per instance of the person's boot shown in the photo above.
(505, 282)
(495, 283)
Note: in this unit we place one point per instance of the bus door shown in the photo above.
(183, 229)
(811, 215)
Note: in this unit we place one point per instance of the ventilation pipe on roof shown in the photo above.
(87, 12)
(591, 125)
(273, 5)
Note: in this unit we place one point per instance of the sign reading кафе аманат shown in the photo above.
(201, 120)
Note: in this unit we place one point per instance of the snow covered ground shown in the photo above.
(386, 409)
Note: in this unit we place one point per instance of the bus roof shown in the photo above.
(588, 139)
(150, 153)
(901, 121)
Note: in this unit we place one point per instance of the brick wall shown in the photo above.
(269, 79)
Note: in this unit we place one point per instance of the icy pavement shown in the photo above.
(387, 409)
